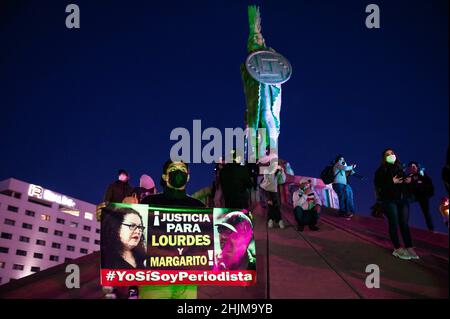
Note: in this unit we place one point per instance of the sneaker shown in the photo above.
(402, 253)
(300, 227)
(313, 227)
(281, 224)
(270, 223)
(412, 253)
(345, 215)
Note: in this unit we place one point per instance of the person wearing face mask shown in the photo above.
(307, 205)
(174, 179)
(422, 189)
(340, 185)
(117, 191)
(394, 194)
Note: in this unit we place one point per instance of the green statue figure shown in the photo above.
(263, 73)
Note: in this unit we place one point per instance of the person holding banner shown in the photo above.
(174, 179)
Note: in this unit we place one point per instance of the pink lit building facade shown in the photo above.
(40, 228)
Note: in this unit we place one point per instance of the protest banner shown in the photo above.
(147, 245)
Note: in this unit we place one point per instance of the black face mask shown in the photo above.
(177, 178)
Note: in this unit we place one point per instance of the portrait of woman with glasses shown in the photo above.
(122, 239)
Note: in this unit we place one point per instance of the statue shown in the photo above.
(263, 73)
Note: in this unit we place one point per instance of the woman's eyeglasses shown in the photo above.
(133, 227)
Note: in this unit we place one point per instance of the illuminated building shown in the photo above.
(40, 228)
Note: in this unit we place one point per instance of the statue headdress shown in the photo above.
(254, 21)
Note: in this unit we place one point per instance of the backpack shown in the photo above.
(327, 175)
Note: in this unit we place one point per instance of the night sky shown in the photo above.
(78, 104)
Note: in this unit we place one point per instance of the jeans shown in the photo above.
(306, 217)
(274, 208)
(397, 213)
(345, 196)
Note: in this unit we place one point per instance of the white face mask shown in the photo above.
(391, 159)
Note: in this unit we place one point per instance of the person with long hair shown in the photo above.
(122, 239)
(394, 194)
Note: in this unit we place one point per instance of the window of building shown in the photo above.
(7, 192)
(83, 250)
(97, 242)
(71, 248)
(43, 229)
(4, 250)
(72, 236)
(97, 230)
(18, 267)
(40, 242)
(2, 264)
(54, 258)
(56, 245)
(24, 239)
(6, 236)
(30, 213)
(67, 259)
(11, 193)
(88, 215)
(38, 255)
(35, 269)
(85, 239)
(27, 226)
(88, 228)
(39, 202)
(10, 222)
(73, 224)
(13, 209)
(45, 217)
(58, 233)
(60, 221)
(70, 211)
(20, 252)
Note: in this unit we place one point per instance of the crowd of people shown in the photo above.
(236, 185)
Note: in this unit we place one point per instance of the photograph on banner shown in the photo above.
(167, 240)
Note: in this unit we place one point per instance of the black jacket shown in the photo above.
(422, 186)
(117, 191)
(173, 198)
(235, 182)
(385, 188)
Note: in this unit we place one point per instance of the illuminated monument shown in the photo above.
(263, 73)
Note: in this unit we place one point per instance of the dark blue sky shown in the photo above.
(76, 105)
